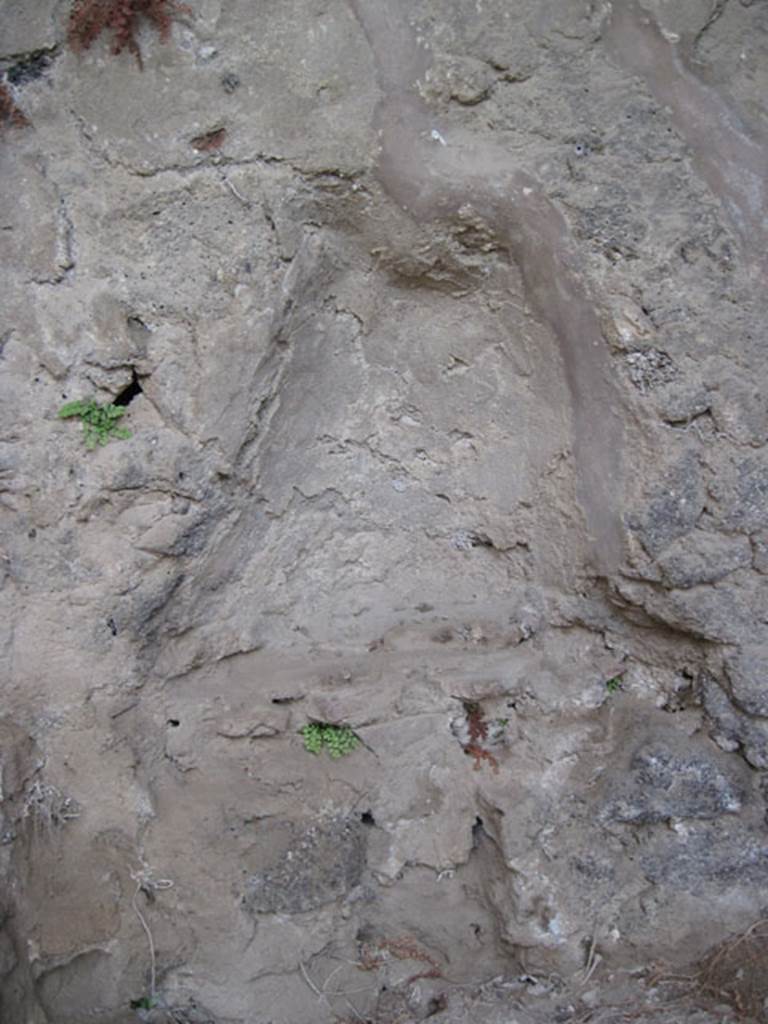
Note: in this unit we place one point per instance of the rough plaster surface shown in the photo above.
(451, 367)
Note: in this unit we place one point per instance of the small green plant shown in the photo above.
(100, 422)
(145, 1003)
(614, 684)
(338, 740)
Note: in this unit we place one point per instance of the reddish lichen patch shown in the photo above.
(480, 755)
(210, 141)
(89, 18)
(478, 731)
(10, 115)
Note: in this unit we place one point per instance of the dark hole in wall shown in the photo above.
(130, 391)
(480, 540)
(436, 1005)
(367, 818)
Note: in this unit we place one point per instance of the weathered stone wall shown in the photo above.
(440, 329)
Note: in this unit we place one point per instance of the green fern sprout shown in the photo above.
(338, 740)
(100, 422)
(145, 1003)
(613, 685)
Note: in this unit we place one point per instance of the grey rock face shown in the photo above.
(682, 405)
(703, 557)
(303, 866)
(747, 671)
(731, 728)
(17, 765)
(738, 858)
(760, 551)
(663, 785)
(674, 506)
(741, 490)
(443, 349)
(717, 613)
(8, 958)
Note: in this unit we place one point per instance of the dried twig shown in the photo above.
(312, 985)
(233, 190)
(146, 884)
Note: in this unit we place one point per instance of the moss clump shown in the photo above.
(338, 740)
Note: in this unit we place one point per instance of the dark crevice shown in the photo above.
(135, 323)
(715, 15)
(131, 391)
(683, 422)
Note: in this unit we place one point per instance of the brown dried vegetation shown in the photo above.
(89, 18)
(732, 973)
(478, 731)
(480, 755)
(10, 115)
(210, 141)
(377, 954)
(735, 972)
